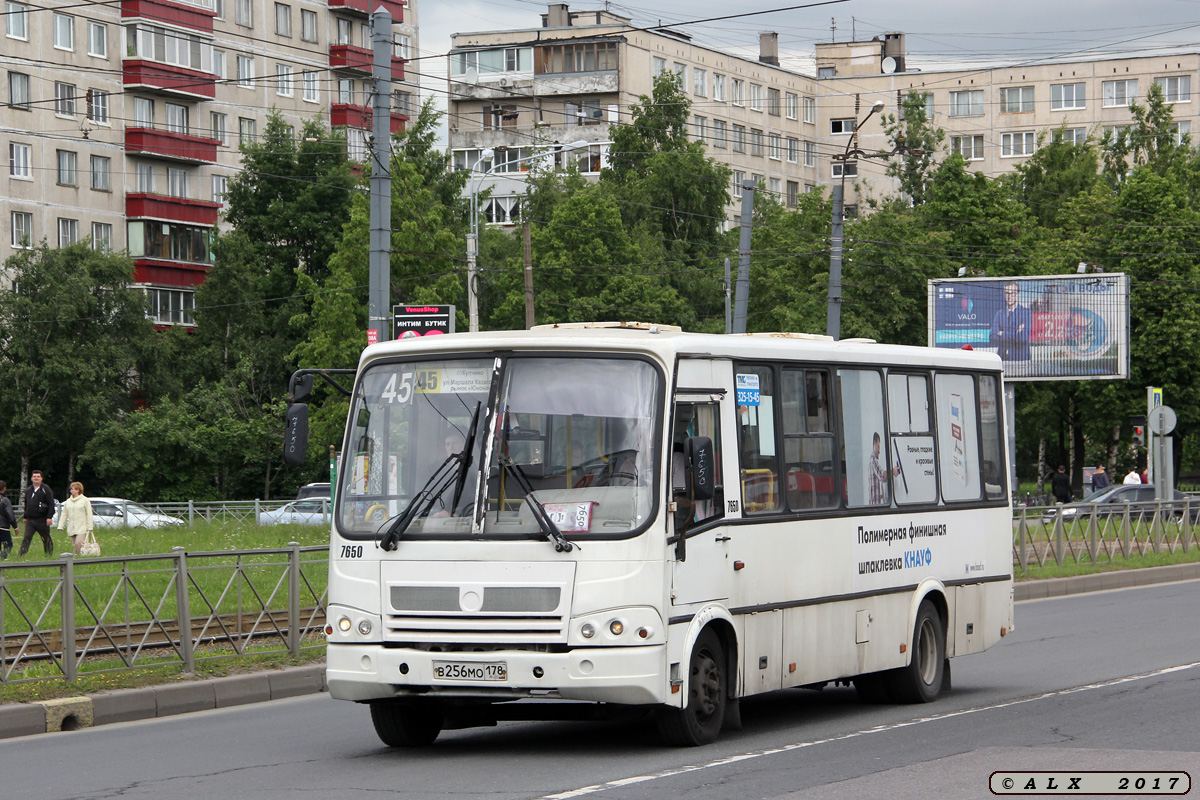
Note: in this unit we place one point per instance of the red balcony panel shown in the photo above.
(347, 56)
(164, 11)
(348, 116)
(367, 6)
(173, 146)
(169, 79)
(179, 274)
(398, 122)
(397, 68)
(171, 209)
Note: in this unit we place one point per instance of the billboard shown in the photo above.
(1068, 327)
(421, 320)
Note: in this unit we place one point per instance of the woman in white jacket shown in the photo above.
(76, 516)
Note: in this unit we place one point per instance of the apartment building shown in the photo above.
(571, 80)
(992, 115)
(122, 122)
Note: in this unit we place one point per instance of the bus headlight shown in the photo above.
(587, 630)
(364, 627)
(631, 625)
(616, 627)
(344, 624)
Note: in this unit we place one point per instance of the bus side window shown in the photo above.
(700, 419)
(759, 460)
(868, 471)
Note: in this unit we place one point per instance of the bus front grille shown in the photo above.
(472, 629)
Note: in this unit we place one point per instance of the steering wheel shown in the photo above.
(381, 508)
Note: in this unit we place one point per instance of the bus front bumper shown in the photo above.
(626, 675)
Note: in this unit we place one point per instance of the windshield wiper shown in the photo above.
(465, 463)
(560, 542)
(421, 503)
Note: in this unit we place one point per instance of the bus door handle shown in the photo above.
(721, 539)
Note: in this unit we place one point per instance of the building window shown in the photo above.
(404, 103)
(101, 170)
(756, 142)
(719, 92)
(170, 46)
(97, 39)
(844, 169)
(177, 118)
(219, 63)
(1016, 99)
(68, 231)
(402, 46)
(1068, 96)
(102, 237)
(810, 154)
(143, 112)
(169, 240)
(739, 139)
(720, 133)
(18, 90)
(775, 187)
(220, 187)
(1182, 131)
(1118, 93)
(171, 306)
(774, 146)
(773, 102)
(756, 100)
(345, 90)
(22, 230)
(701, 127)
(681, 73)
(1012, 145)
(966, 104)
(585, 112)
(311, 87)
(247, 131)
(145, 178)
(699, 82)
(177, 182)
(64, 31)
(1176, 89)
(739, 178)
(657, 65)
(809, 105)
(793, 149)
(245, 72)
(283, 80)
(1076, 136)
(845, 125)
(503, 210)
(243, 13)
(283, 19)
(97, 106)
(67, 167)
(17, 20)
(793, 193)
(64, 99)
(219, 131)
(738, 93)
(498, 116)
(20, 161)
(969, 147)
(791, 105)
(308, 25)
(550, 59)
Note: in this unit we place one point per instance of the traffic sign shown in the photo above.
(1162, 420)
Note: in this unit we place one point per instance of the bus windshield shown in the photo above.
(576, 433)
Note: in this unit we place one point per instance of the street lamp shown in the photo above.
(833, 313)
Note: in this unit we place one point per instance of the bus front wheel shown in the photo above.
(921, 680)
(700, 720)
(406, 725)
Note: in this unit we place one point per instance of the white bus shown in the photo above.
(596, 518)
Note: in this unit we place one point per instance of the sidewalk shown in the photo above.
(126, 705)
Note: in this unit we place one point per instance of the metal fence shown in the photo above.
(1086, 533)
(64, 618)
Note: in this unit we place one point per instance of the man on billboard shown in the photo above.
(1011, 326)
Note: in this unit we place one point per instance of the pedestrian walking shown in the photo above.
(1100, 479)
(1132, 478)
(39, 508)
(8, 523)
(76, 516)
(1060, 484)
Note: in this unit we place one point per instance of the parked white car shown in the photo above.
(313, 511)
(115, 512)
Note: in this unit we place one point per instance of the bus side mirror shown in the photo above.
(301, 387)
(701, 467)
(295, 435)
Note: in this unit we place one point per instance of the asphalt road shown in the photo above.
(1101, 681)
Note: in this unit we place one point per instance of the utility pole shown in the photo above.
(527, 241)
(742, 301)
(728, 294)
(379, 260)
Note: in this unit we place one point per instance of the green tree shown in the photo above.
(1059, 171)
(917, 141)
(70, 334)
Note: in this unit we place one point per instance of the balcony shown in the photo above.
(168, 79)
(360, 59)
(141, 205)
(171, 146)
(344, 115)
(197, 15)
(169, 273)
(367, 6)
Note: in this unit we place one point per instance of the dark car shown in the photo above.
(314, 490)
(1112, 501)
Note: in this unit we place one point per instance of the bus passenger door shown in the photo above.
(703, 407)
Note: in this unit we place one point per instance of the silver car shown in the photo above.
(115, 512)
(313, 511)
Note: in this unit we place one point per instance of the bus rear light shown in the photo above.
(904, 648)
(1003, 631)
(616, 627)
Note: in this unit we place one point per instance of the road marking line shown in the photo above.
(726, 760)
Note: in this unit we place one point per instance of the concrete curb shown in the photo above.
(127, 705)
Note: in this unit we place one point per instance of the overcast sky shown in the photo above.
(937, 32)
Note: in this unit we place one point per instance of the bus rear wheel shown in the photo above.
(700, 720)
(921, 680)
(406, 724)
